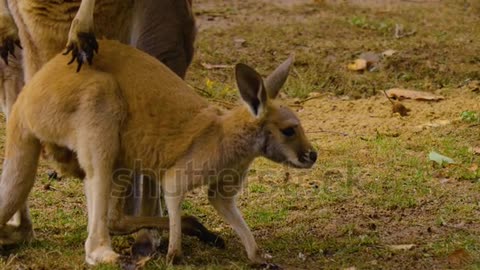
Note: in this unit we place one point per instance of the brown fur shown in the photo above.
(129, 109)
(11, 82)
(11, 76)
(163, 28)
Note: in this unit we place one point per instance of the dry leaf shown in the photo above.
(358, 65)
(399, 94)
(459, 257)
(314, 95)
(239, 42)
(211, 66)
(473, 167)
(444, 180)
(389, 53)
(439, 158)
(458, 225)
(434, 124)
(350, 268)
(440, 123)
(401, 247)
(400, 31)
(475, 150)
(473, 86)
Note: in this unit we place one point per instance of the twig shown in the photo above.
(389, 99)
(209, 96)
(202, 91)
(295, 105)
(308, 98)
(421, 2)
(223, 103)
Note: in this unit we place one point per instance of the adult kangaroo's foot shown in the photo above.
(82, 47)
(8, 37)
(82, 43)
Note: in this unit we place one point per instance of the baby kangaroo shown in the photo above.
(124, 110)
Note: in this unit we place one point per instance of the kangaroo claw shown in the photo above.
(83, 49)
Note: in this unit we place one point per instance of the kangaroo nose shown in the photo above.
(313, 156)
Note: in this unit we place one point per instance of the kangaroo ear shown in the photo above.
(277, 78)
(252, 90)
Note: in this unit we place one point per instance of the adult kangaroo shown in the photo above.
(127, 107)
(163, 28)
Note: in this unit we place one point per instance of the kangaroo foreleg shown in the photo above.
(8, 33)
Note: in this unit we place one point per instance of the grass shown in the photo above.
(344, 212)
(371, 189)
(327, 37)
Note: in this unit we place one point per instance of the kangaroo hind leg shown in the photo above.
(98, 145)
(19, 233)
(19, 168)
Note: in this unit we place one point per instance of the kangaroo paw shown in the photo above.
(12, 235)
(8, 38)
(82, 46)
(102, 255)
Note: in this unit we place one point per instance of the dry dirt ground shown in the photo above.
(374, 200)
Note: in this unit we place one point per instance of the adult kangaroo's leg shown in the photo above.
(19, 168)
(81, 39)
(166, 30)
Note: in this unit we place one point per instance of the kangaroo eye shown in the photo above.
(288, 132)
